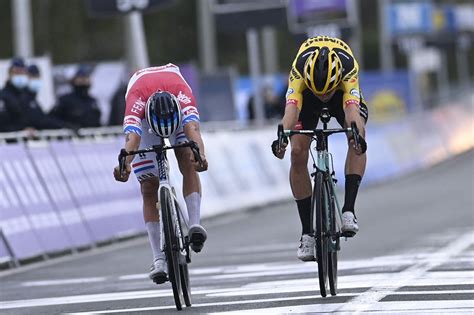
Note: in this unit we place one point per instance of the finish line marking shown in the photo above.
(366, 300)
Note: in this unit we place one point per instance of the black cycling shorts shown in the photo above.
(312, 106)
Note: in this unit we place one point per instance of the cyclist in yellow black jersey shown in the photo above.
(324, 74)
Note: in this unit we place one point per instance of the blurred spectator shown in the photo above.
(117, 105)
(35, 117)
(271, 102)
(13, 98)
(78, 109)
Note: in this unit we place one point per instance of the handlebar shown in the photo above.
(159, 149)
(315, 132)
(309, 132)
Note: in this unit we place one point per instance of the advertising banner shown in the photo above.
(4, 253)
(24, 179)
(409, 17)
(307, 7)
(388, 96)
(109, 213)
(60, 193)
(14, 223)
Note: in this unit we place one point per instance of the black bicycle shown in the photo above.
(326, 215)
(175, 243)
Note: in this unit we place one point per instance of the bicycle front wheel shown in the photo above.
(184, 259)
(171, 246)
(319, 207)
(333, 240)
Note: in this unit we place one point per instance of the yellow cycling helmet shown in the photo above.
(322, 71)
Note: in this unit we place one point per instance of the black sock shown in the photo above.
(352, 187)
(304, 210)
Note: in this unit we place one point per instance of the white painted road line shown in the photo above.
(197, 305)
(351, 282)
(423, 307)
(365, 301)
(42, 283)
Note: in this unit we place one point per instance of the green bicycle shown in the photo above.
(326, 214)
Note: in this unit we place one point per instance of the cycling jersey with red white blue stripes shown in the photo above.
(147, 81)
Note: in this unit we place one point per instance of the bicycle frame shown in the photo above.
(164, 179)
(324, 164)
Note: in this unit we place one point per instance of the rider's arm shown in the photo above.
(294, 98)
(291, 117)
(351, 102)
(132, 142)
(193, 133)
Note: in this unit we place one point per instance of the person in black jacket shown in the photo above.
(78, 109)
(35, 117)
(13, 98)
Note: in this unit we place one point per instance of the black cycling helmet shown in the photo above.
(322, 71)
(163, 113)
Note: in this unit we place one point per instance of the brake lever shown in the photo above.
(197, 155)
(280, 135)
(121, 159)
(355, 134)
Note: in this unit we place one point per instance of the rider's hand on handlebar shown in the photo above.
(122, 177)
(361, 148)
(200, 167)
(279, 149)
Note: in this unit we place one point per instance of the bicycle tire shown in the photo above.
(320, 232)
(183, 264)
(333, 240)
(185, 284)
(171, 245)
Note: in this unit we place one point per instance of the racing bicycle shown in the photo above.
(326, 215)
(174, 227)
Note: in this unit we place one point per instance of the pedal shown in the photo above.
(348, 234)
(159, 279)
(196, 240)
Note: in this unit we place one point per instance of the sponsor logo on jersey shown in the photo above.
(138, 106)
(289, 92)
(351, 76)
(292, 102)
(183, 98)
(355, 92)
(352, 102)
(294, 75)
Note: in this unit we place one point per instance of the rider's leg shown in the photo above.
(192, 197)
(149, 189)
(191, 185)
(299, 179)
(301, 187)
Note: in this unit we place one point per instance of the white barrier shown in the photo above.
(75, 177)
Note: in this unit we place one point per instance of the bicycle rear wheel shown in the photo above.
(171, 246)
(333, 240)
(320, 230)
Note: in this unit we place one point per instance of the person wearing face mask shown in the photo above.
(13, 98)
(36, 117)
(78, 109)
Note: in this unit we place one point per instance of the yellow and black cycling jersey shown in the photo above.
(349, 84)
